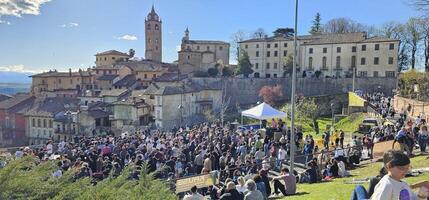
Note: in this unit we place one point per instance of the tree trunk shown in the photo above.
(413, 57)
(316, 126)
(427, 53)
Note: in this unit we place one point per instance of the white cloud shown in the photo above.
(5, 22)
(21, 7)
(178, 48)
(127, 37)
(19, 68)
(69, 25)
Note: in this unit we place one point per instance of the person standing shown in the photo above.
(423, 138)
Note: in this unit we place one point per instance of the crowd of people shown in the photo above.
(244, 158)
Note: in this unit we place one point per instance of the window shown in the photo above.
(208, 48)
(105, 58)
(284, 53)
(149, 40)
(158, 100)
(353, 49)
(267, 75)
(284, 44)
(189, 57)
(156, 27)
(325, 50)
(268, 45)
(148, 27)
(256, 75)
(362, 61)
(110, 71)
(39, 123)
(59, 81)
(268, 66)
(275, 75)
(198, 47)
(268, 53)
(362, 73)
(276, 45)
(390, 73)
(257, 53)
(257, 45)
(375, 74)
(113, 58)
(377, 47)
(364, 47)
(310, 62)
(338, 62)
(338, 49)
(275, 65)
(324, 62)
(275, 53)
(353, 61)
(391, 46)
(33, 122)
(256, 65)
(390, 60)
(44, 123)
(156, 41)
(246, 46)
(154, 75)
(220, 48)
(158, 114)
(376, 60)
(310, 51)
(71, 81)
(156, 47)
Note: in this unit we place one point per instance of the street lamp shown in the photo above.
(332, 110)
(292, 116)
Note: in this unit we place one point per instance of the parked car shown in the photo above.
(367, 125)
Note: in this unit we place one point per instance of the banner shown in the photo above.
(355, 100)
(201, 181)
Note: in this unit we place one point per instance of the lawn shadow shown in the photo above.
(296, 194)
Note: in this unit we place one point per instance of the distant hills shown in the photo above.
(15, 77)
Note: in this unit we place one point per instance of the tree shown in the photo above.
(227, 72)
(284, 32)
(131, 53)
(316, 28)
(421, 5)
(236, 38)
(259, 33)
(395, 30)
(343, 25)
(413, 37)
(424, 24)
(224, 104)
(213, 72)
(209, 115)
(307, 109)
(271, 94)
(288, 64)
(244, 65)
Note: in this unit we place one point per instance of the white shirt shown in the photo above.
(282, 154)
(390, 189)
(193, 197)
(49, 148)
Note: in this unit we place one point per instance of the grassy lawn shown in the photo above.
(339, 190)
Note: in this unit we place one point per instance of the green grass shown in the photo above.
(339, 190)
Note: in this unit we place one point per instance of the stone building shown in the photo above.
(62, 83)
(332, 55)
(110, 57)
(200, 55)
(153, 34)
(182, 103)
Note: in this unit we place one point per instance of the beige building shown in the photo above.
(181, 103)
(54, 81)
(200, 55)
(332, 55)
(153, 34)
(110, 57)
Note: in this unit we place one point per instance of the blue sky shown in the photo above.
(67, 33)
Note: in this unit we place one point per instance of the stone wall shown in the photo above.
(246, 91)
(417, 107)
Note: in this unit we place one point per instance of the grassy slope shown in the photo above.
(337, 189)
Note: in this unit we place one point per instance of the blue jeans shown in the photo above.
(359, 193)
(279, 164)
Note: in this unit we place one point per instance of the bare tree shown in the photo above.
(413, 38)
(395, 30)
(224, 104)
(343, 25)
(237, 37)
(424, 24)
(259, 33)
(421, 5)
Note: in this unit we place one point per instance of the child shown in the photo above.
(390, 186)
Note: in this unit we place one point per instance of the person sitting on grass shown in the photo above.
(391, 186)
(289, 188)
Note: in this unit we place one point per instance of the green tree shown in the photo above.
(288, 64)
(284, 32)
(131, 53)
(316, 28)
(244, 65)
(227, 72)
(307, 109)
(213, 72)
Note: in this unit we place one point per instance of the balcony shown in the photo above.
(68, 132)
(324, 69)
(204, 101)
(338, 68)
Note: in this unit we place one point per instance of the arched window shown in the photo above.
(310, 62)
(156, 27)
(324, 62)
(338, 63)
(148, 26)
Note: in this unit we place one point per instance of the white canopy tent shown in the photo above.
(261, 112)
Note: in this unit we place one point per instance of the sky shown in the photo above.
(38, 35)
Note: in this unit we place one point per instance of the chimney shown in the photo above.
(70, 72)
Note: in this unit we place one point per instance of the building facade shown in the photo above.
(200, 55)
(332, 55)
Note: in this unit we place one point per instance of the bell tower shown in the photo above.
(153, 36)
